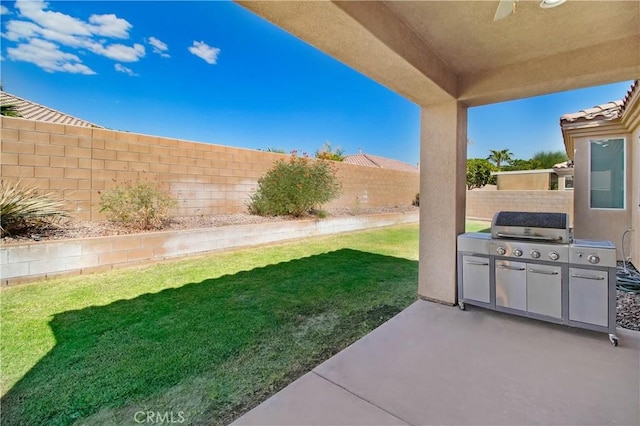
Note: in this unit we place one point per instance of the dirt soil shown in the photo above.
(84, 229)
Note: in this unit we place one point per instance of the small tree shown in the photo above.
(140, 205)
(519, 164)
(478, 172)
(327, 152)
(547, 159)
(294, 186)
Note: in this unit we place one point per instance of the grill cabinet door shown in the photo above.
(589, 296)
(544, 290)
(511, 285)
(475, 278)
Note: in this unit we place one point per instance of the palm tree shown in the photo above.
(8, 110)
(499, 157)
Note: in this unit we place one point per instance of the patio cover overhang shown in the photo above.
(447, 56)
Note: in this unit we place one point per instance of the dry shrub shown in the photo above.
(139, 205)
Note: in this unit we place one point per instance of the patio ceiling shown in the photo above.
(434, 51)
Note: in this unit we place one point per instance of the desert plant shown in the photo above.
(547, 159)
(327, 152)
(140, 205)
(24, 207)
(294, 186)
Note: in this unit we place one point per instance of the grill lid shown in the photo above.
(550, 227)
(531, 220)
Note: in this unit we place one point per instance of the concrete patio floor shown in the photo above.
(434, 364)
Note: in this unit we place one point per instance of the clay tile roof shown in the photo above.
(33, 111)
(635, 87)
(380, 162)
(608, 111)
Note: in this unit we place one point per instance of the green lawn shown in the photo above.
(478, 226)
(205, 338)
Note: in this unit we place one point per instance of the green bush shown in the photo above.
(294, 187)
(23, 207)
(140, 205)
(478, 172)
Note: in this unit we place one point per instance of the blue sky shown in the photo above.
(214, 72)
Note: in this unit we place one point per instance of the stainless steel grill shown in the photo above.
(529, 265)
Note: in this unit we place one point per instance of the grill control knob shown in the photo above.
(593, 258)
(535, 254)
(501, 250)
(517, 252)
(554, 255)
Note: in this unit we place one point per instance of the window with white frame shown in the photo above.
(607, 174)
(568, 182)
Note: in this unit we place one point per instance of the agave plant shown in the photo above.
(23, 206)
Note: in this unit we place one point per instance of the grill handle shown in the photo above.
(511, 268)
(528, 237)
(588, 277)
(470, 262)
(535, 271)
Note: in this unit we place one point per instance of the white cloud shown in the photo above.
(204, 51)
(48, 56)
(159, 47)
(17, 30)
(126, 70)
(59, 22)
(109, 26)
(119, 52)
(101, 25)
(4, 10)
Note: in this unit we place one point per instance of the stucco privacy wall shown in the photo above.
(484, 204)
(78, 163)
(524, 181)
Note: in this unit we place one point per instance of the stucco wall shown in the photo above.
(600, 224)
(484, 204)
(635, 194)
(524, 182)
(77, 164)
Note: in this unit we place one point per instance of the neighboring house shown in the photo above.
(533, 180)
(33, 111)
(604, 143)
(380, 162)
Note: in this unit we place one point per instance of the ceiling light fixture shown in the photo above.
(548, 4)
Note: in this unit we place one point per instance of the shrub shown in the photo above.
(140, 205)
(478, 172)
(416, 201)
(23, 207)
(327, 152)
(294, 187)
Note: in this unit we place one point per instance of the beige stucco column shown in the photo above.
(443, 156)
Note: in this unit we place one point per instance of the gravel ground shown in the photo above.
(628, 306)
(84, 229)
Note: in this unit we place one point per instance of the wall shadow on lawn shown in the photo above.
(114, 355)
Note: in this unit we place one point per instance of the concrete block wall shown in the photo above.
(21, 263)
(484, 204)
(77, 164)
